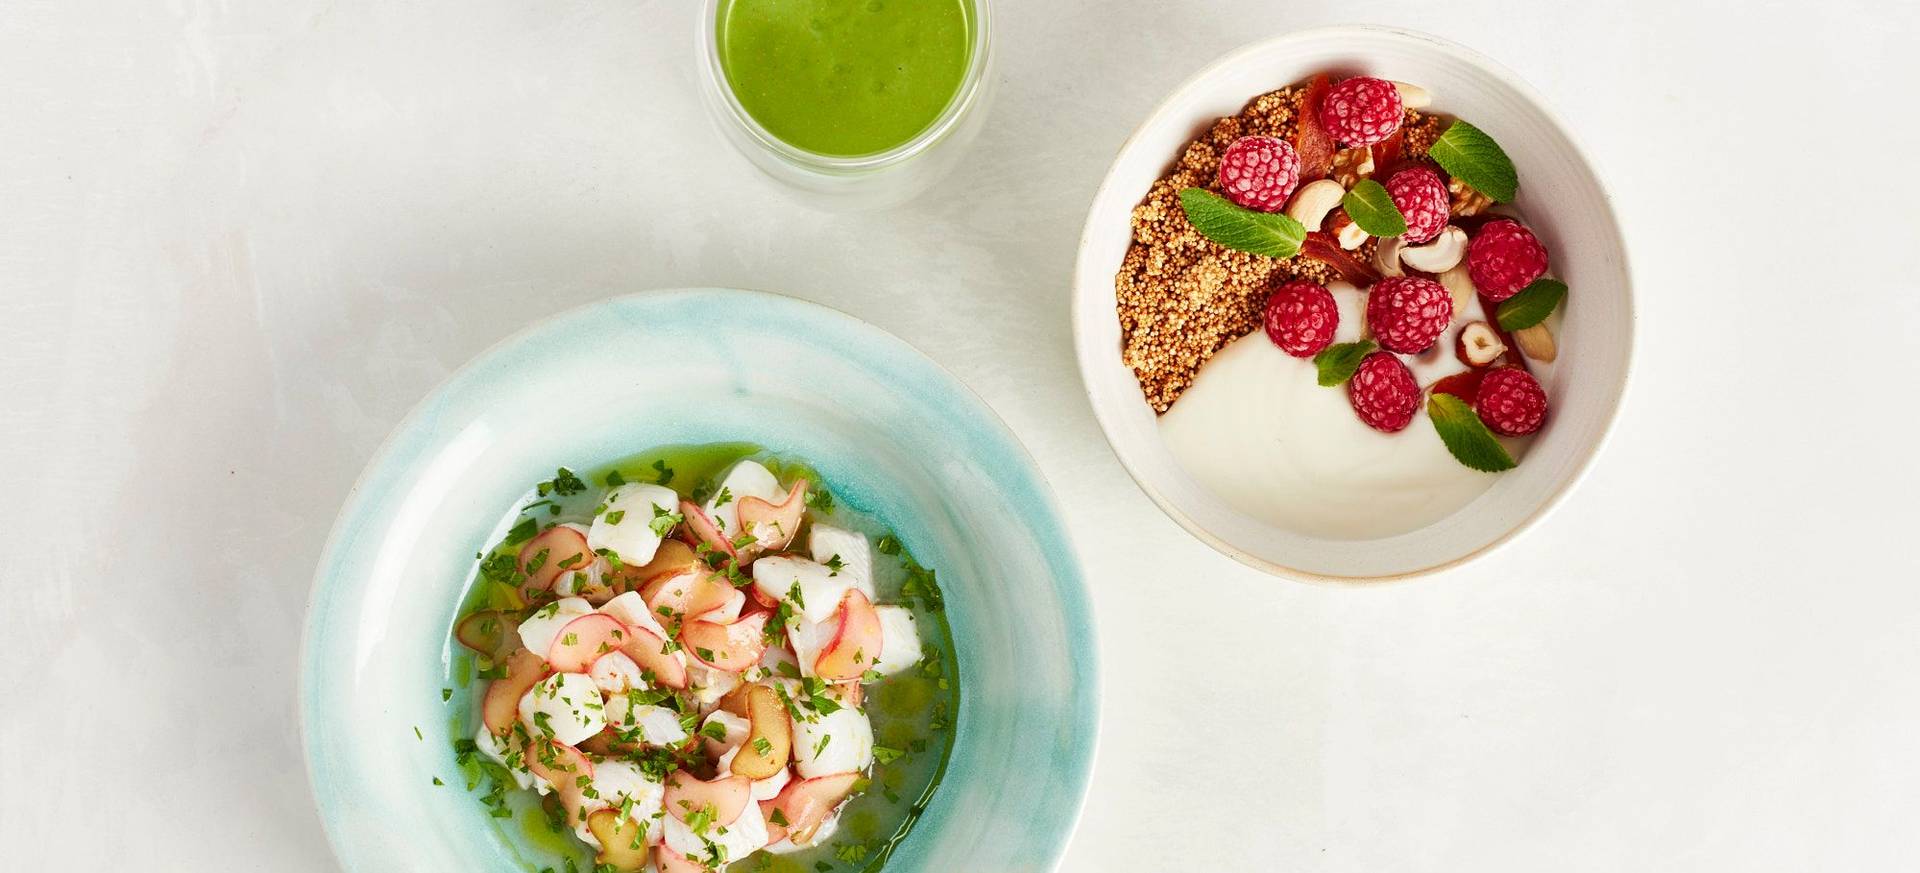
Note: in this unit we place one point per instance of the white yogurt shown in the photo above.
(1257, 429)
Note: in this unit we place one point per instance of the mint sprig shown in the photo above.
(1466, 436)
(1371, 207)
(1338, 362)
(1239, 228)
(1532, 305)
(1467, 153)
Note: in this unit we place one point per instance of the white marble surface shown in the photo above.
(240, 239)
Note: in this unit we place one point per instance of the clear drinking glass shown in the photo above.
(870, 181)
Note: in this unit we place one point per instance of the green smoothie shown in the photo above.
(845, 77)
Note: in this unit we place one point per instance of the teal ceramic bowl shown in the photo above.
(892, 434)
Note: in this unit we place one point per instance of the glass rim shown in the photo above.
(949, 117)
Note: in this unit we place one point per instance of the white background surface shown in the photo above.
(239, 240)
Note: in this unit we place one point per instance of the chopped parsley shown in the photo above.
(820, 499)
(664, 521)
(563, 483)
(616, 516)
(522, 532)
(700, 819)
(615, 480)
(665, 472)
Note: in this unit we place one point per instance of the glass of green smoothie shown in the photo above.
(860, 103)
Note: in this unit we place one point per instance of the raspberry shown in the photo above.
(1504, 258)
(1301, 317)
(1407, 313)
(1383, 392)
(1362, 111)
(1259, 172)
(1422, 198)
(1511, 402)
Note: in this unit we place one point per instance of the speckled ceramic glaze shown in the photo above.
(891, 432)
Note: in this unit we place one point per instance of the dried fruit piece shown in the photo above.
(1464, 385)
(1407, 313)
(1505, 257)
(1388, 153)
(1362, 111)
(1383, 393)
(1311, 141)
(1259, 172)
(1422, 200)
(1511, 402)
(1322, 247)
(1301, 317)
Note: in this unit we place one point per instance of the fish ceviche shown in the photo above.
(684, 680)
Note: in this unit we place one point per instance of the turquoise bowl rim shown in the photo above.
(975, 425)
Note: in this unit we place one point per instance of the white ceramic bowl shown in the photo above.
(1564, 204)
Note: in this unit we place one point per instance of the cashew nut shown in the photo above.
(1313, 201)
(1351, 236)
(1443, 253)
(1413, 96)
(1386, 258)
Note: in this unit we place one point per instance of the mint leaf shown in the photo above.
(1532, 305)
(1239, 228)
(1337, 362)
(1371, 207)
(1471, 443)
(1467, 153)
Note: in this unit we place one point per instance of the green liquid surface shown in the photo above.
(845, 77)
(911, 712)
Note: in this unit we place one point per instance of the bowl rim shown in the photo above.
(1076, 598)
(1087, 356)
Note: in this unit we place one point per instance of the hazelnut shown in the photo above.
(1479, 345)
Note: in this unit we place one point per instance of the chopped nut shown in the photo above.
(1352, 165)
(1479, 345)
(1413, 96)
(1467, 201)
(1460, 286)
(1536, 342)
(1313, 201)
(1443, 253)
(1345, 231)
(1386, 256)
